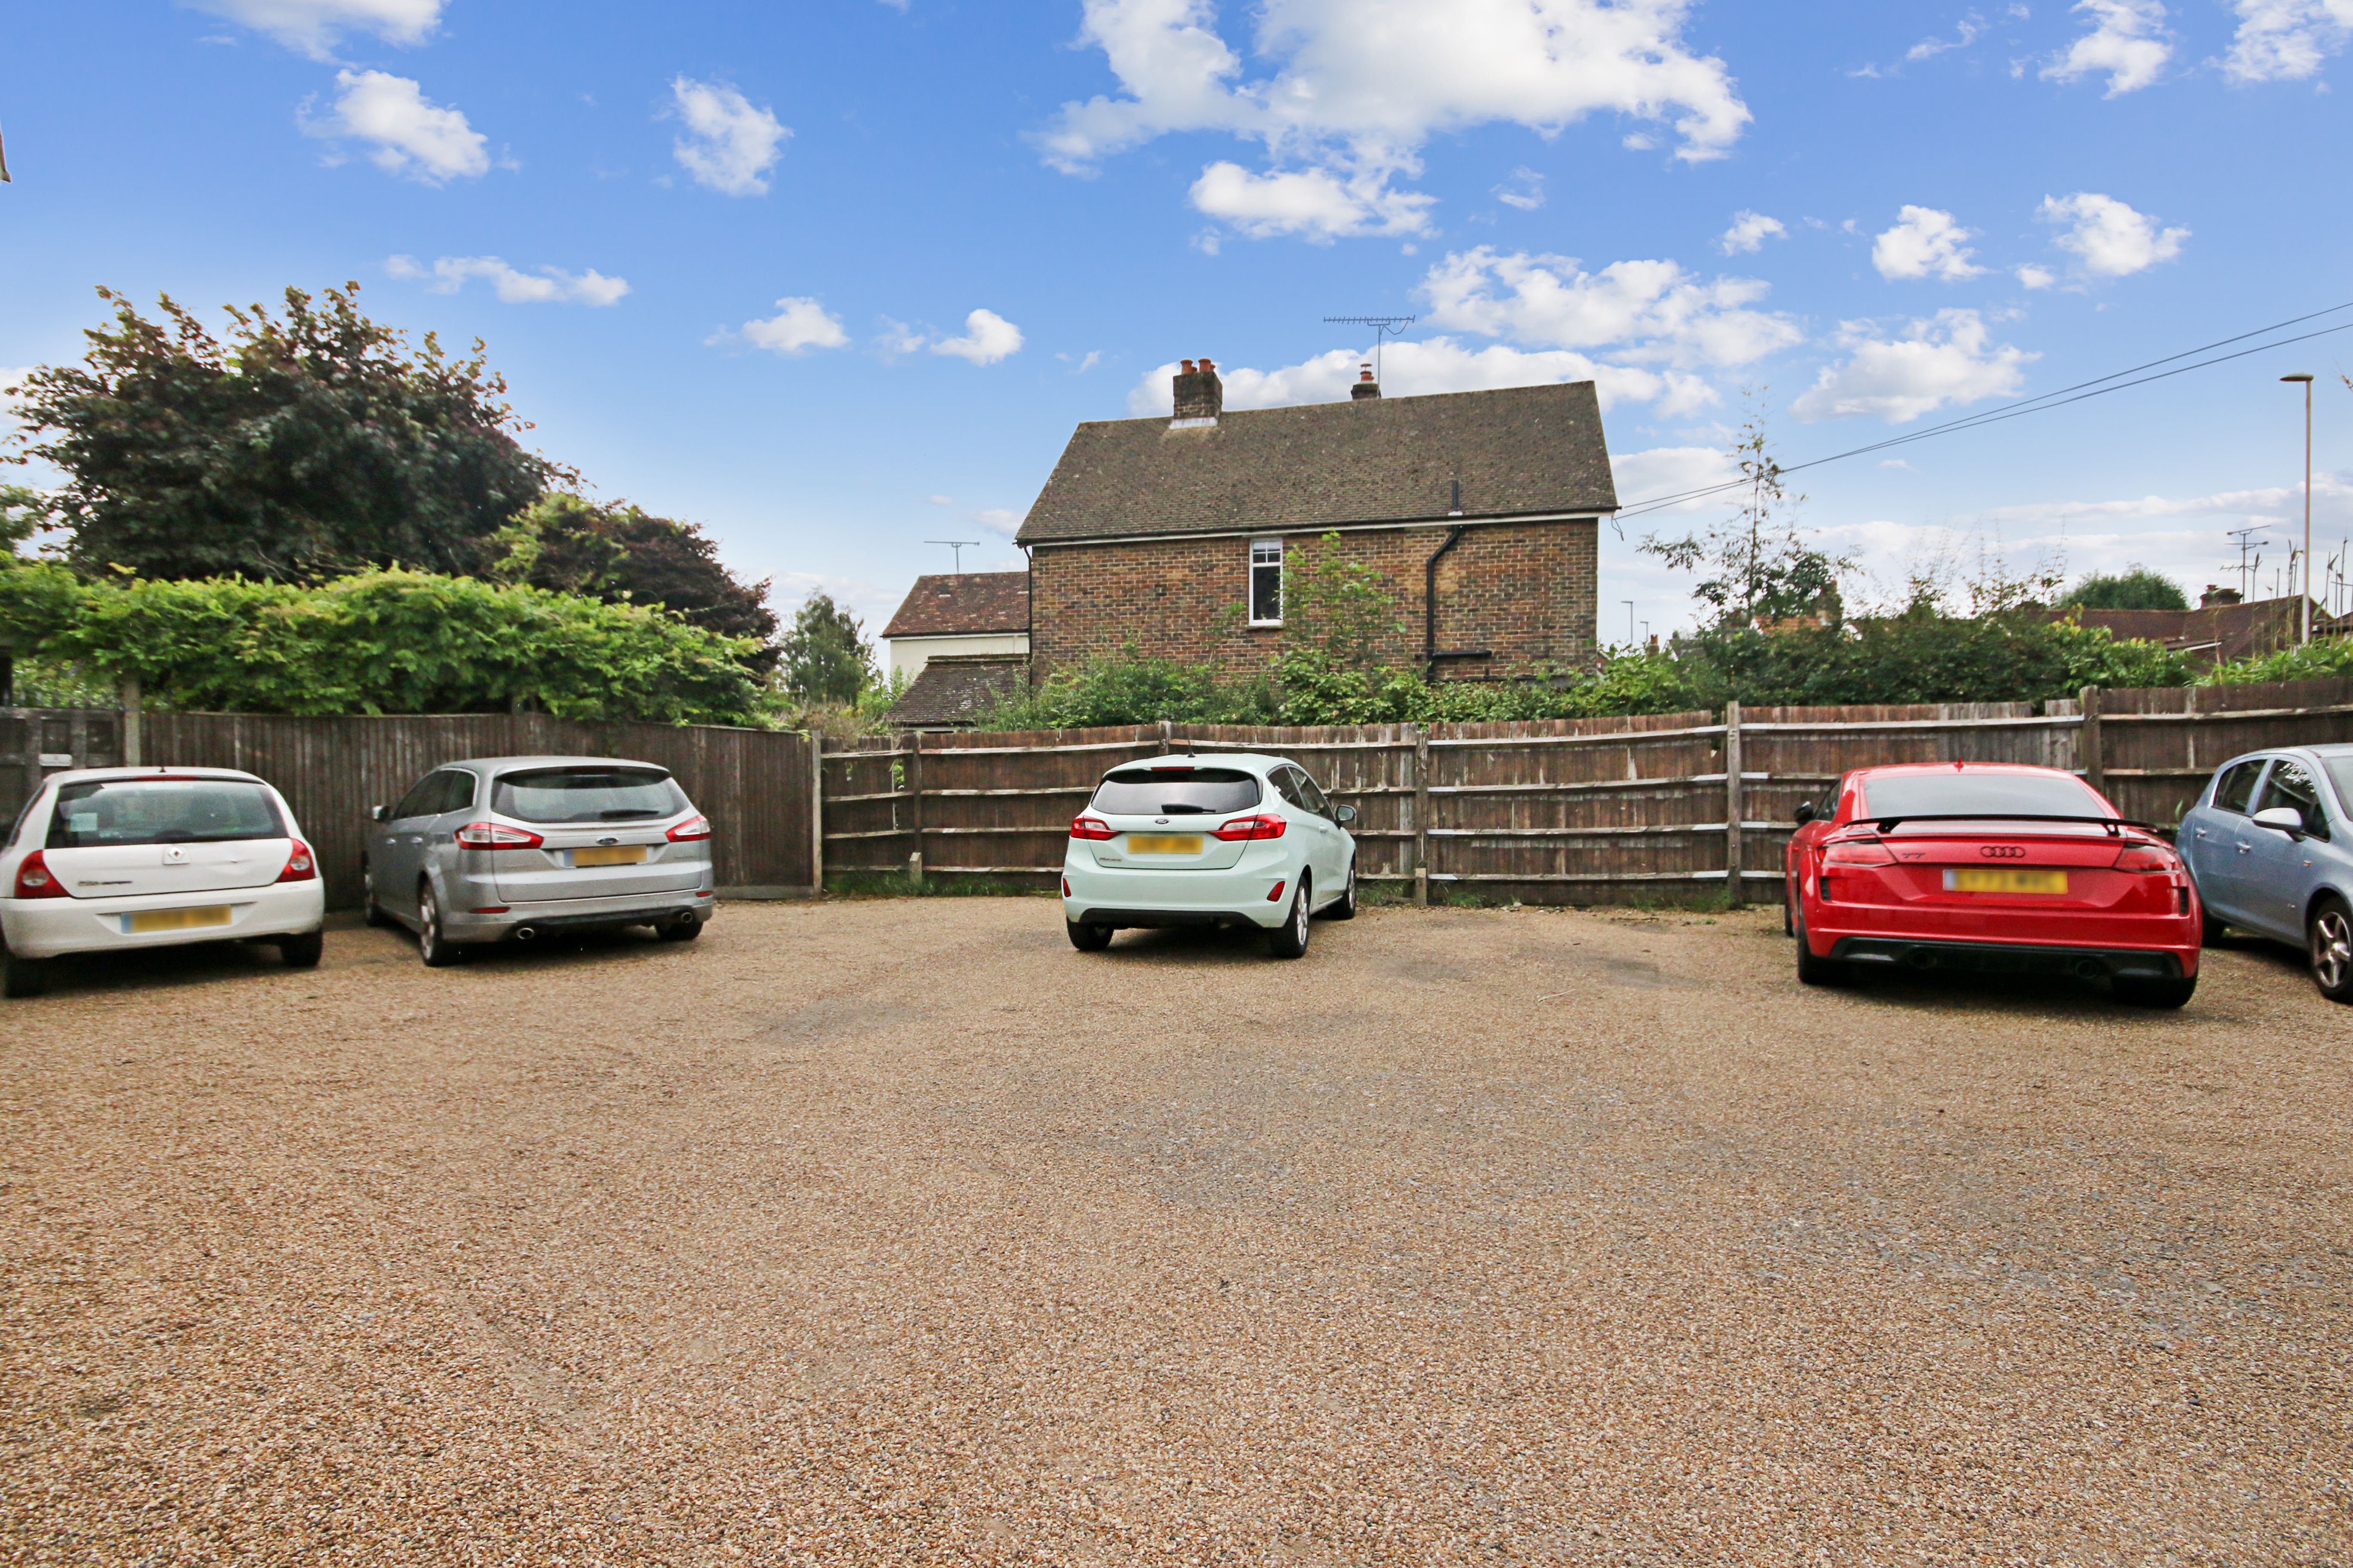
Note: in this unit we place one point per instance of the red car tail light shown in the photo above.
(497, 835)
(34, 880)
(2147, 858)
(692, 827)
(300, 866)
(1858, 852)
(1090, 827)
(1242, 829)
(1271, 898)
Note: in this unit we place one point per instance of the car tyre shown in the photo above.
(2139, 993)
(370, 910)
(1345, 908)
(1814, 971)
(433, 944)
(23, 976)
(1288, 940)
(302, 950)
(1087, 936)
(2330, 941)
(679, 931)
(2211, 932)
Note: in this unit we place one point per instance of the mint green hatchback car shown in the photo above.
(1239, 840)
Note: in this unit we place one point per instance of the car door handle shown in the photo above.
(2244, 846)
(2202, 833)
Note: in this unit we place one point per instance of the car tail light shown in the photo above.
(300, 866)
(692, 827)
(497, 835)
(493, 909)
(1271, 898)
(1090, 827)
(2147, 858)
(1858, 852)
(34, 880)
(1066, 886)
(1241, 829)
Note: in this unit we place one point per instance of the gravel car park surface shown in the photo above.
(897, 1231)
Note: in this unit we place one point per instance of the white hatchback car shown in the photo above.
(120, 859)
(1228, 840)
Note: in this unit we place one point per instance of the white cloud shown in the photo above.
(2033, 277)
(2284, 40)
(1945, 359)
(799, 325)
(1924, 243)
(1672, 470)
(1528, 196)
(1431, 365)
(314, 26)
(415, 138)
(997, 519)
(1655, 308)
(729, 145)
(1358, 86)
(1750, 231)
(548, 286)
(2282, 504)
(987, 338)
(2108, 238)
(1971, 28)
(2127, 40)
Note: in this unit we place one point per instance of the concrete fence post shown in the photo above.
(817, 811)
(1735, 808)
(130, 737)
(915, 804)
(1421, 814)
(2088, 747)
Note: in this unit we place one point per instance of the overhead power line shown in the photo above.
(2043, 404)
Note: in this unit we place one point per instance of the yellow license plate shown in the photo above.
(2007, 881)
(610, 855)
(1164, 844)
(178, 920)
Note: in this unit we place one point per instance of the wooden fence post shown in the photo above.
(1422, 814)
(915, 804)
(2087, 747)
(817, 811)
(1735, 851)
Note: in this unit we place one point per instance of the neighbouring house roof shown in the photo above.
(1518, 451)
(955, 690)
(2211, 635)
(968, 603)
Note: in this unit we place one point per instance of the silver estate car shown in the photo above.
(509, 848)
(2270, 845)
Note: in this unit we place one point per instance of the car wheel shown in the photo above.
(1812, 970)
(1288, 940)
(2137, 993)
(1346, 908)
(23, 976)
(302, 952)
(685, 929)
(370, 910)
(1087, 936)
(433, 944)
(2211, 931)
(2331, 945)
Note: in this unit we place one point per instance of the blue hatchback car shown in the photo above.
(2270, 846)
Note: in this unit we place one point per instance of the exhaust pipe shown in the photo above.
(526, 933)
(2090, 968)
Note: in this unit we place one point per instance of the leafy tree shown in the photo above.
(1762, 569)
(826, 659)
(2137, 588)
(380, 642)
(618, 553)
(293, 450)
(24, 512)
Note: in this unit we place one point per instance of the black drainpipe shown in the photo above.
(1429, 598)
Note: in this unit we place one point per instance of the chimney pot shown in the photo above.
(1189, 367)
(1365, 385)
(1200, 396)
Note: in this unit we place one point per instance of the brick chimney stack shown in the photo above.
(1200, 395)
(1365, 385)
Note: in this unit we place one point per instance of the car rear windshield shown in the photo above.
(586, 795)
(2341, 769)
(1176, 792)
(162, 811)
(1998, 795)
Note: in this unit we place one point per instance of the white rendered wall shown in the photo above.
(909, 655)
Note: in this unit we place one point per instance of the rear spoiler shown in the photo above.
(2112, 824)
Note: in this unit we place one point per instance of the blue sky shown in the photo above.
(837, 279)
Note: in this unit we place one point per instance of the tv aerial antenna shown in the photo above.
(957, 546)
(2244, 538)
(1383, 327)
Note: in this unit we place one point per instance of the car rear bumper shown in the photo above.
(640, 909)
(47, 928)
(2016, 958)
(1122, 899)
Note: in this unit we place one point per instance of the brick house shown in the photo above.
(958, 613)
(1479, 510)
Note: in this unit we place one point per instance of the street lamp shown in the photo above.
(2306, 612)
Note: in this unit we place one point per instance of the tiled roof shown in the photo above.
(2262, 626)
(958, 689)
(1518, 450)
(964, 605)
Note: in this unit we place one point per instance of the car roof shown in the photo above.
(508, 764)
(103, 775)
(1961, 767)
(1257, 762)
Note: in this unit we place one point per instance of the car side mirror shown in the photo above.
(375, 814)
(1805, 811)
(2282, 818)
(1344, 815)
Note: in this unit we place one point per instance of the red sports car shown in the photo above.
(1989, 866)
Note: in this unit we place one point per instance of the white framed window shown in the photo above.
(1266, 583)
